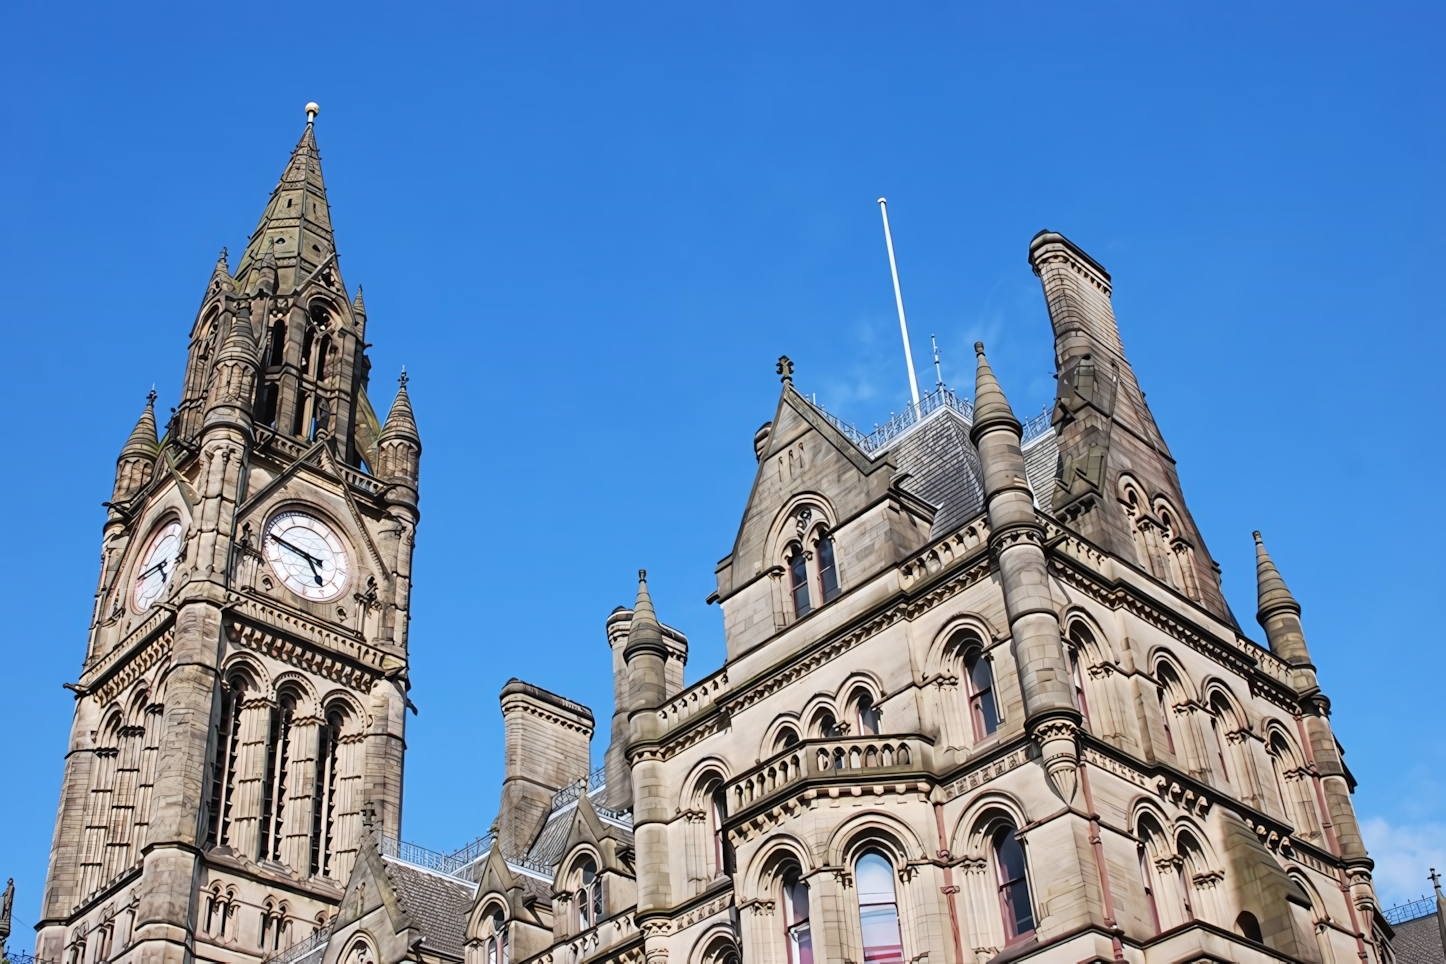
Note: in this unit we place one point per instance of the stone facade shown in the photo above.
(983, 697)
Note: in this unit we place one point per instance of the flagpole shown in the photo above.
(899, 301)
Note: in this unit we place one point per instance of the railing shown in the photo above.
(1410, 910)
(22, 957)
(820, 758)
(1035, 427)
(311, 945)
(593, 781)
(882, 435)
(452, 864)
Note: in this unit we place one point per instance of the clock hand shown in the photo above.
(311, 560)
(158, 567)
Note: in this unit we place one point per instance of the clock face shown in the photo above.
(307, 555)
(158, 564)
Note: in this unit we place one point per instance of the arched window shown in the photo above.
(273, 792)
(323, 803)
(497, 950)
(589, 896)
(797, 932)
(1219, 711)
(322, 357)
(1291, 782)
(981, 695)
(787, 737)
(1249, 927)
(878, 910)
(828, 726)
(717, 811)
(276, 346)
(1080, 640)
(1168, 681)
(223, 769)
(827, 569)
(308, 342)
(1012, 875)
(870, 717)
(1148, 879)
(798, 582)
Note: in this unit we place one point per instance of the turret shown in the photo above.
(1017, 539)
(1279, 613)
(233, 378)
(1117, 484)
(399, 446)
(138, 456)
(646, 656)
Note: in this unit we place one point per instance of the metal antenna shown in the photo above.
(899, 300)
(938, 372)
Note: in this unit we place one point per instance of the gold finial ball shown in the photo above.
(312, 109)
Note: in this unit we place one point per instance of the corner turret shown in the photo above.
(233, 379)
(1278, 613)
(138, 456)
(399, 446)
(1017, 538)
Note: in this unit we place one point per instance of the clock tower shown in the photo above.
(241, 704)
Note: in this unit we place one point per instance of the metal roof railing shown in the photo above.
(1411, 910)
(450, 864)
(318, 940)
(899, 423)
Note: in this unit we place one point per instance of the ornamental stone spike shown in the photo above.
(1278, 612)
(1017, 538)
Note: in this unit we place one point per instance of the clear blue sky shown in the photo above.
(589, 230)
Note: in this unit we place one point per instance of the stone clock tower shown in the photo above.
(240, 712)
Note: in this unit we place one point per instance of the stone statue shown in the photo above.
(5, 906)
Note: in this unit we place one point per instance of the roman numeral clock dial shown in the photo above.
(307, 555)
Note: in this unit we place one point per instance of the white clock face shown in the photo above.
(307, 555)
(158, 565)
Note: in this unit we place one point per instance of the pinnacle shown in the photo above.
(357, 305)
(297, 219)
(401, 423)
(1273, 594)
(645, 630)
(142, 442)
(222, 268)
(991, 408)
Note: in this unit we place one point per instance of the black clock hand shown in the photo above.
(158, 567)
(311, 560)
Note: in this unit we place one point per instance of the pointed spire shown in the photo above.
(357, 305)
(1278, 612)
(401, 423)
(241, 340)
(143, 442)
(222, 268)
(991, 408)
(297, 218)
(645, 635)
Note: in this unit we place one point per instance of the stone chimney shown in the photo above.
(545, 748)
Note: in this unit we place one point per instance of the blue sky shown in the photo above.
(589, 230)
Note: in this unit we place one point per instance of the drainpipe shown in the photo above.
(1097, 844)
(950, 890)
(1330, 832)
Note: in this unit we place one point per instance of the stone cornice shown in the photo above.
(294, 639)
(162, 617)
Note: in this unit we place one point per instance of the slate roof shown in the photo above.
(437, 904)
(1419, 942)
(546, 850)
(944, 469)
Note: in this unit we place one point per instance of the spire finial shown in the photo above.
(1435, 879)
(312, 109)
(151, 398)
(785, 369)
(979, 348)
(403, 378)
(642, 575)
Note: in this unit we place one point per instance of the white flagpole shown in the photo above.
(899, 300)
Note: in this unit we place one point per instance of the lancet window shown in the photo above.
(496, 939)
(1012, 874)
(798, 582)
(827, 569)
(878, 910)
(983, 709)
(278, 760)
(589, 896)
(797, 929)
(867, 714)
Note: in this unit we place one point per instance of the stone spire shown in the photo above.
(222, 269)
(399, 447)
(1278, 613)
(646, 655)
(138, 456)
(645, 647)
(233, 379)
(401, 423)
(990, 406)
(1017, 538)
(297, 220)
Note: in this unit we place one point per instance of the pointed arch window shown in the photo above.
(982, 707)
(278, 760)
(1012, 874)
(276, 345)
(717, 813)
(589, 896)
(798, 582)
(878, 910)
(827, 568)
(323, 803)
(798, 932)
(223, 770)
(870, 717)
(1148, 880)
(497, 950)
(1167, 683)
